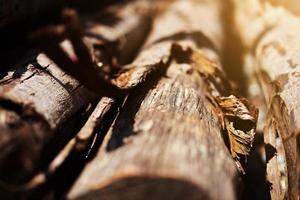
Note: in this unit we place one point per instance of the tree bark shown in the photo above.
(167, 141)
(271, 36)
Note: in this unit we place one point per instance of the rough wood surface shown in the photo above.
(270, 34)
(167, 141)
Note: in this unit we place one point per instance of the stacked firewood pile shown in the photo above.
(141, 99)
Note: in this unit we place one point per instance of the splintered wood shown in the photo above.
(167, 141)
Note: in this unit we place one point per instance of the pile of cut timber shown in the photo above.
(140, 99)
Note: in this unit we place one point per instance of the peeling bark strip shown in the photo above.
(275, 49)
(39, 103)
(167, 141)
(100, 44)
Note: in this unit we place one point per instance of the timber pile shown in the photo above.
(136, 99)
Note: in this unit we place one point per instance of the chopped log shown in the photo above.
(167, 142)
(271, 36)
(40, 103)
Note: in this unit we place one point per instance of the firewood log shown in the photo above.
(168, 140)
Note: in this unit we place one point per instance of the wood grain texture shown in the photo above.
(167, 141)
(270, 34)
(173, 145)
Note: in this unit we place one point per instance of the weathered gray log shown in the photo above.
(167, 142)
(270, 34)
(38, 100)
